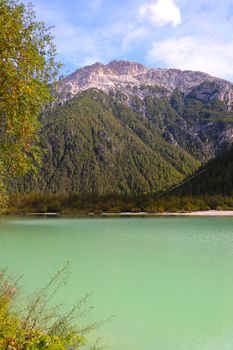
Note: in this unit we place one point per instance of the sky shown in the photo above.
(183, 34)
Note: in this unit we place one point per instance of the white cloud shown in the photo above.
(160, 13)
(126, 30)
(191, 53)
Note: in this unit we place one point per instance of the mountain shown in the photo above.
(125, 128)
(203, 103)
(95, 144)
(215, 178)
(132, 78)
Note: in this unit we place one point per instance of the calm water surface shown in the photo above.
(168, 281)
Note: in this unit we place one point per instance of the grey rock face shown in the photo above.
(204, 134)
(131, 79)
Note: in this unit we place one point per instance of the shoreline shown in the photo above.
(210, 213)
(202, 213)
(207, 213)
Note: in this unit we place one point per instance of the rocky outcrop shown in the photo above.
(132, 78)
(215, 89)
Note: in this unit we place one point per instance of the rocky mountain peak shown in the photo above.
(131, 78)
(126, 67)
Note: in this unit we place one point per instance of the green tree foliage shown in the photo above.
(3, 195)
(96, 144)
(82, 204)
(38, 326)
(216, 178)
(27, 66)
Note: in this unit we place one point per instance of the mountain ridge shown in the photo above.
(113, 129)
(128, 77)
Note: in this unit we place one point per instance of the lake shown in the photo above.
(167, 281)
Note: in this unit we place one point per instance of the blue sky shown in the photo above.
(184, 34)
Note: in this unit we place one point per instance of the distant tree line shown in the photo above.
(82, 204)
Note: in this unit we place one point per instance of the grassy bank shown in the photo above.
(83, 204)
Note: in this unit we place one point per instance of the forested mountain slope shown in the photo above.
(94, 145)
(125, 128)
(216, 178)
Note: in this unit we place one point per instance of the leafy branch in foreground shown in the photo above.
(3, 194)
(28, 67)
(39, 326)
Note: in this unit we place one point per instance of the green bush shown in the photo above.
(38, 326)
(54, 207)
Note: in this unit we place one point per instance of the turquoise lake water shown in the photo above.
(167, 281)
